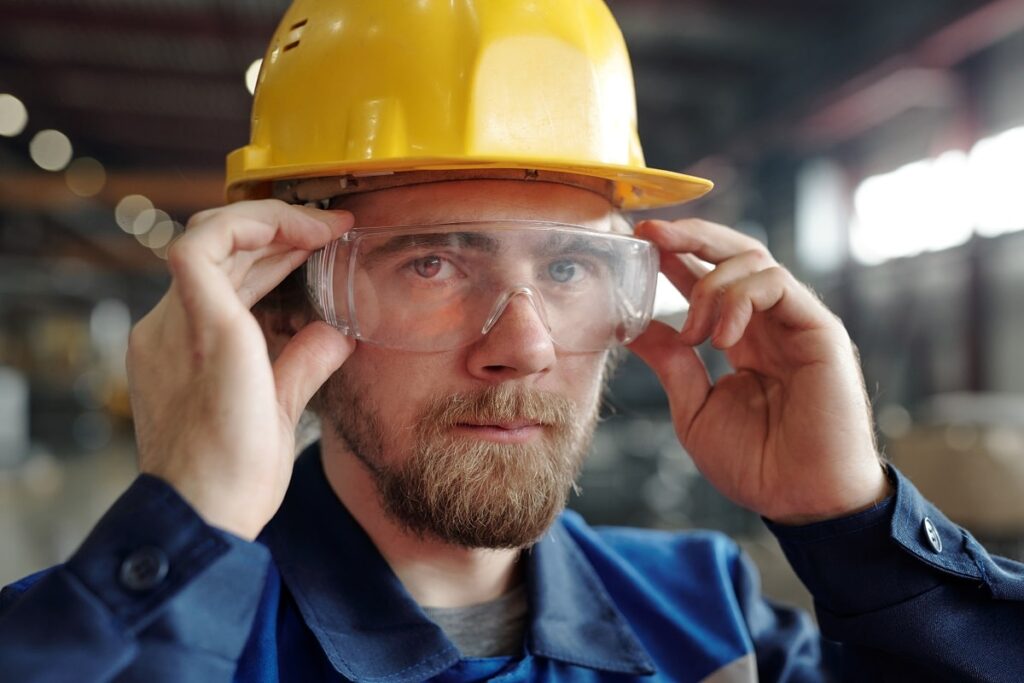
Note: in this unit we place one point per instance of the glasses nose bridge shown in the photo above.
(506, 297)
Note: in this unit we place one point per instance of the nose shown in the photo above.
(516, 345)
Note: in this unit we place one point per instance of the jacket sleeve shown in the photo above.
(787, 645)
(153, 594)
(908, 595)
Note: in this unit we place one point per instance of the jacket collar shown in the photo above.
(371, 629)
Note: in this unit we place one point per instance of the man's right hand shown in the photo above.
(214, 417)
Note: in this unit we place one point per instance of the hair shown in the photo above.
(286, 300)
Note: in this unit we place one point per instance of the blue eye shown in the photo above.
(565, 270)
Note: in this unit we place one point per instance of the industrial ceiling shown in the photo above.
(154, 89)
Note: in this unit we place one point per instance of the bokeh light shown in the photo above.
(128, 209)
(251, 75)
(146, 221)
(50, 149)
(13, 115)
(996, 182)
(160, 234)
(939, 203)
(109, 324)
(85, 177)
(177, 230)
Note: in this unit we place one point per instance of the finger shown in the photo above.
(679, 369)
(706, 295)
(243, 266)
(208, 289)
(773, 291)
(269, 274)
(306, 362)
(711, 242)
(198, 259)
(683, 271)
(238, 265)
(265, 221)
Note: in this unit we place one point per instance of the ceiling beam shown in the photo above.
(919, 77)
(181, 97)
(243, 20)
(180, 193)
(43, 67)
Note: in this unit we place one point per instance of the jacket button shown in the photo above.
(144, 569)
(932, 534)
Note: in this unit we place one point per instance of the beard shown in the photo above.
(467, 491)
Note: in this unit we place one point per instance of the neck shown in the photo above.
(435, 573)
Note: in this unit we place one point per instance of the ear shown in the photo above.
(279, 325)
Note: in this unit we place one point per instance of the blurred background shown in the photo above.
(877, 147)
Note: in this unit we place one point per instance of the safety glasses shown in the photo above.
(442, 287)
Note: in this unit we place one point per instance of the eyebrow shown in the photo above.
(574, 244)
(465, 240)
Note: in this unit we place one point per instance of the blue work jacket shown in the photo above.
(155, 594)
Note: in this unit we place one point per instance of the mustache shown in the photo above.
(501, 403)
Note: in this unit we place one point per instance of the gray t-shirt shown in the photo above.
(490, 629)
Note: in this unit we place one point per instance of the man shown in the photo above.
(456, 192)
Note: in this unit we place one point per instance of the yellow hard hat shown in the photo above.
(371, 87)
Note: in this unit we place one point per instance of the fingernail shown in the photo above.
(716, 336)
(340, 216)
(644, 225)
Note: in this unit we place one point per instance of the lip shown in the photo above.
(517, 431)
(514, 424)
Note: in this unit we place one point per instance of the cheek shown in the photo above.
(582, 375)
(396, 384)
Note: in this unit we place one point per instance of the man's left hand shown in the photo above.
(788, 434)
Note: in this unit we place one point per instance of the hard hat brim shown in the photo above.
(635, 188)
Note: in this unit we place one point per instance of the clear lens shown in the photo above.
(440, 287)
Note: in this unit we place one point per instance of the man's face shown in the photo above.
(477, 446)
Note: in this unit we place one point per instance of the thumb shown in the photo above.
(679, 369)
(306, 362)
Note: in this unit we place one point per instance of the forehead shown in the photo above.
(477, 200)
